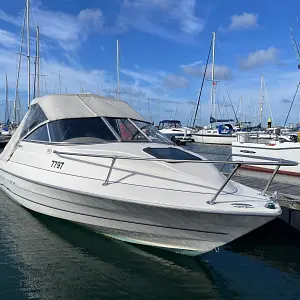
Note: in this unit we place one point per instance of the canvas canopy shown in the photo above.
(58, 107)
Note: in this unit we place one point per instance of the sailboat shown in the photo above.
(6, 127)
(215, 134)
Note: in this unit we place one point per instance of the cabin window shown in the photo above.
(128, 132)
(40, 134)
(34, 117)
(82, 131)
(152, 133)
(125, 129)
(169, 124)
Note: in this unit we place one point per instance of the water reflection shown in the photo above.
(60, 260)
(264, 264)
(276, 244)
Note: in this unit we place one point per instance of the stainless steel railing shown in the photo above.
(270, 162)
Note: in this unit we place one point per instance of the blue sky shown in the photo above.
(164, 46)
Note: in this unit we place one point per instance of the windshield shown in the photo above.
(169, 124)
(83, 130)
(151, 132)
(97, 130)
(133, 131)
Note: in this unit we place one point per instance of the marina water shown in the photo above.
(46, 258)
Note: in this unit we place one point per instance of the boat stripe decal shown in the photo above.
(116, 220)
(264, 148)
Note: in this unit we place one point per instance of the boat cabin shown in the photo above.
(83, 119)
(168, 124)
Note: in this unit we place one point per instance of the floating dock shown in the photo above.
(288, 193)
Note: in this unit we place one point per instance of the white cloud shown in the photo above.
(93, 17)
(8, 39)
(157, 79)
(197, 69)
(173, 19)
(173, 81)
(163, 4)
(260, 58)
(67, 29)
(243, 21)
(149, 77)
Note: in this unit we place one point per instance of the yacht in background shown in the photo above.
(276, 148)
(221, 135)
(96, 162)
(174, 130)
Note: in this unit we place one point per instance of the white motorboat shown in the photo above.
(268, 134)
(275, 149)
(97, 162)
(174, 130)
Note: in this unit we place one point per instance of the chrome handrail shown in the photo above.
(278, 164)
(272, 162)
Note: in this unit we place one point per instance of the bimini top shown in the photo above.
(69, 106)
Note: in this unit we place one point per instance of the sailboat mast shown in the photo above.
(28, 52)
(241, 107)
(6, 98)
(261, 99)
(212, 95)
(38, 58)
(158, 108)
(59, 81)
(35, 67)
(18, 73)
(118, 70)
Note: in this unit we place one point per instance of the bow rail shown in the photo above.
(237, 164)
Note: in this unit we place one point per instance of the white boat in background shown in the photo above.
(174, 130)
(5, 130)
(222, 135)
(96, 162)
(8, 130)
(267, 134)
(276, 149)
(5, 134)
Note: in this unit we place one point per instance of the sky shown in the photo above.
(164, 46)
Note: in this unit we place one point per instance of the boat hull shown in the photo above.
(185, 231)
(213, 139)
(287, 151)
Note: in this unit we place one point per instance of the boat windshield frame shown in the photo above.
(169, 124)
(159, 138)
